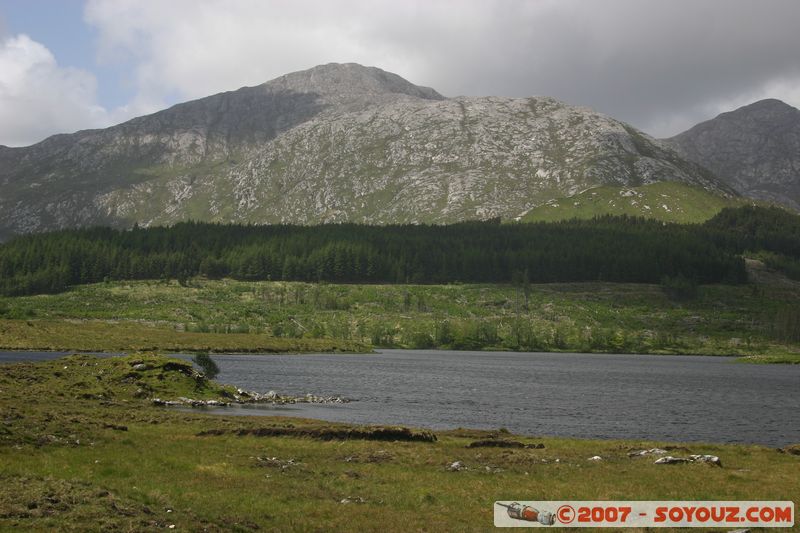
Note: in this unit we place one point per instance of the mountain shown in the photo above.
(754, 149)
(338, 142)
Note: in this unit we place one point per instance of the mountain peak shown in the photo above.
(753, 148)
(768, 104)
(350, 79)
(767, 114)
(768, 110)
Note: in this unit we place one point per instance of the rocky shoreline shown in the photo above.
(249, 397)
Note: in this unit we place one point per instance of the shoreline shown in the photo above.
(786, 359)
(82, 447)
(369, 407)
(220, 411)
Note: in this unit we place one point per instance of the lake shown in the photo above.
(672, 398)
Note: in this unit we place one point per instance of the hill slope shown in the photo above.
(667, 201)
(333, 143)
(754, 149)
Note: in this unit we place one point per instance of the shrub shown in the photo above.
(419, 341)
(204, 361)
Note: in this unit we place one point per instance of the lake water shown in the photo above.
(673, 398)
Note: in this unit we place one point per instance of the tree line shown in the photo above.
(616, 249)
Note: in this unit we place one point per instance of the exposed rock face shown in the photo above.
(333, 143)
(754, 149)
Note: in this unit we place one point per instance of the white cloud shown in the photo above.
(39, 98)
(194, 49)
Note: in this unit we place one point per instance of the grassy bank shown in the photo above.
(82, 447)
(771, 359)
(760, 319)
(125, 336)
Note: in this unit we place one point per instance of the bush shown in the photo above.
(523, 337)
(419, 341)
(213, 268)
(204, 361)
(444, 333)
(476, 335)
(786, 324)
(382, 335)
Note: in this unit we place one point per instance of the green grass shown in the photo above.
(666, 201)
(134, 335)
(287, 316)
(771, 359)
(76, 461)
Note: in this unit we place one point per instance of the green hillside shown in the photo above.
(267, 316)
(668, 201)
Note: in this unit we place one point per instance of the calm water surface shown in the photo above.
(682, 398)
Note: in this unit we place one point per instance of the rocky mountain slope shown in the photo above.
(338, 142)
(754, 149)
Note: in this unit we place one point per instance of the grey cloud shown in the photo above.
(660, 64)
(657, 64)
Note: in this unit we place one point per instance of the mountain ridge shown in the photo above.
(338, 142)
(755, 149)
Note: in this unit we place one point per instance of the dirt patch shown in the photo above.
(792, 449)
(478, 434)
(358, 433)
(502, 443)
(379, 456)
(677, 449)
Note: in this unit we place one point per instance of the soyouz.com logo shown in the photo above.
(644, 514)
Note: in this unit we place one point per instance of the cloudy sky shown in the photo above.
(662, 65)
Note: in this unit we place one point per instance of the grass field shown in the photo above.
(759, 319)
(667, 201)
(82, 448)
(132, 335)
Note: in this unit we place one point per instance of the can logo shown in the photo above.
(619, 514)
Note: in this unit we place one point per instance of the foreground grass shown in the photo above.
(82, 448)
(747, 320)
